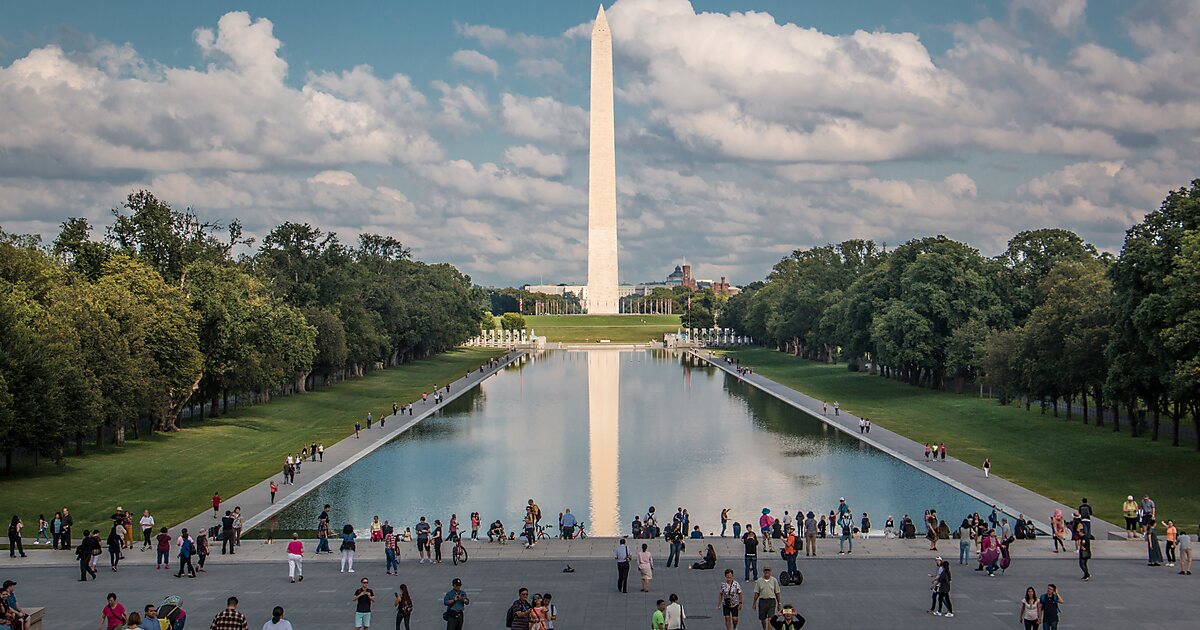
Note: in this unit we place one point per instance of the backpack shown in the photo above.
(508, 616)
(185, 550)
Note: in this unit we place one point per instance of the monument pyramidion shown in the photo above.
(601, 293)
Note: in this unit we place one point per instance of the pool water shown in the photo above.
(608, 433)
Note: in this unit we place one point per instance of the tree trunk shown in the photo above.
(1116, 418)
(79, 444)
(1133, 420)
(100, 437)
(959, 382)
(1098, 394)
(301, 380)
(1070, 403)
(1178, 411)
(136, 435)
(1083, 399)
(1155, 425)
(1054, 401)
(8, 462)
(119, 435)
(224, 401)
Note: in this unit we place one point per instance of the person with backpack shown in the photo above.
(517, 616)
(84, 552)
(187, 549)
(941, 589)
(1051, 602)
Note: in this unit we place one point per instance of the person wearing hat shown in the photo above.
(787, 619)
(455, 602)
(766, 596)
(10, 612)
(1130, 510)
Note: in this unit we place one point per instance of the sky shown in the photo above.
(745, 129)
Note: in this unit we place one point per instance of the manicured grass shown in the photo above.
(1064, 460)
(174, 475)
(592, 328)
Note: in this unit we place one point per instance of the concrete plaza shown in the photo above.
(887, 589)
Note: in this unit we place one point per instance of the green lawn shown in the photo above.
(1059, 459)
(174, 475)
(592, 328)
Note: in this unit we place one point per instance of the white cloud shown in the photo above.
(543, 118)
(529, 158)
(1063, 15)
(111, 111)
(491, 37)
(475, 61)
(489, 180)
(460, 102)
(540, 68)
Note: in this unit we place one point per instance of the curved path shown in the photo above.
(994, 490)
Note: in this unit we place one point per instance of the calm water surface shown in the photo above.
(608, 433)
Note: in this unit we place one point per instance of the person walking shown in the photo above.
(216, 503)
(277, 621)
(658, 619)
(621, 555)
(112, 616)
(837, 408)
(1030, 612)
(14, 538)
(456, 601)
(347, 548)
(362, 597)
(437, 541)
(517, 616)
(404, 607)
(1085, 554)
(987, 467)
(645, 562)
(750, 542)
(323, 533)
(114, 546)
(83, 551)
(391, 552)
(202, 550)
(941, 589)
(674, 614)
(729, 600)
(1185, 553)
(295, 556)
(230, 618)
(1085, 515)
(187, 548)
(766, 596)
(1051, 602)
(274, 489)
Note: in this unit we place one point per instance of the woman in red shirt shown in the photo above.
(295, 554)
(112, 616)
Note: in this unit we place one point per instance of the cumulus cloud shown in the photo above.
(85, 113)
(475, 61)
(528, 157)
(1063, 15)
(544, 118)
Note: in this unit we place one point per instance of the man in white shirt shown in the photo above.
(674, 613)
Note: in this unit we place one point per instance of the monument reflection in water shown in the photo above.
(608, 433)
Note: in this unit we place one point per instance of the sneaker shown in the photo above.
(350, 571)
(949, 614)
(301, 578)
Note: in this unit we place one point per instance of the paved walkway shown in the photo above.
(838, 592)
(256, 500)
(968, 478)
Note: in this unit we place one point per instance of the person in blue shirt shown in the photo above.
(696, 533)
(455, 602)
(568, 524)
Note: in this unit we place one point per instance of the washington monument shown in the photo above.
(602, 178)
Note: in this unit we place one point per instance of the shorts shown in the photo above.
(1131, 522)
(766, 608)
(422, 545)
(362, 620)
(729, 611)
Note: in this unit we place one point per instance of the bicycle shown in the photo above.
(459, 554)
(581, 532)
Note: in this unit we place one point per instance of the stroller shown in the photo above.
(170, 613)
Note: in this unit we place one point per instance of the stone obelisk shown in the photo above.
(602, 178)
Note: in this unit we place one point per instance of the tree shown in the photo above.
(697, 317)
(168, 240)
(512, 321)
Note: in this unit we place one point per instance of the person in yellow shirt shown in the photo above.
(1130, 510)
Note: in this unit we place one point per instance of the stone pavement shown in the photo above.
(849, 592)
(256, 500)
(968, 478)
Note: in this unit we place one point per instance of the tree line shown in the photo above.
(159, 315)
(1050, 319)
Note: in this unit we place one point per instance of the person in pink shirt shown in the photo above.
(764, 525)
(113, 614)
(295, 553)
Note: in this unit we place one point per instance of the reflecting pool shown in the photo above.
(608, 433)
